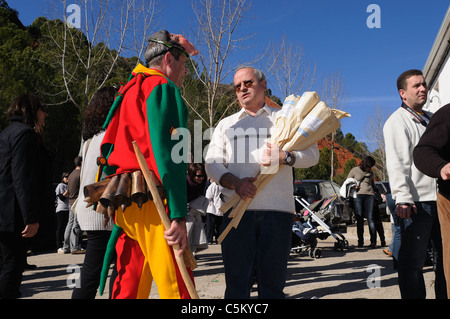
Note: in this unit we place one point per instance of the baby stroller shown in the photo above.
(309, 227)
(304, 238)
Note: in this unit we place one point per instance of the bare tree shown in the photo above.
(111, 28)
(374, 134)
(293, 73)
(333, 94)
(333, 91)
(217, 37)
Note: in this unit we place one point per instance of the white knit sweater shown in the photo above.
(236, 147)
(87, 217)
(401, 134)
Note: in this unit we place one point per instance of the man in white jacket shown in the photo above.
(414, 193)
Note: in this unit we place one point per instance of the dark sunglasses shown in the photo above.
(248, 84)
(199, 176)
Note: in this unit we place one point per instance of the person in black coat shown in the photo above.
(432, 157)
(20, 186)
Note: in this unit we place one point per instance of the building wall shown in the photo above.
(439, 94)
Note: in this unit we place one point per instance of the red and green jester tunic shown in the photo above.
(150, 112)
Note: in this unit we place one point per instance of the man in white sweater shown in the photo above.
(259, 246)
(414, 193)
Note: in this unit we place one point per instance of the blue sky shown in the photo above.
(334, 35)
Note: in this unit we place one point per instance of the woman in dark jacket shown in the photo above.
(19, 189)
(196, 181)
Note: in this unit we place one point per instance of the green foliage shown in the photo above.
(30, 62)
(321, 170)
(349, 165)
(340, 178)
(15, 62)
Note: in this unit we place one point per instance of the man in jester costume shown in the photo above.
(149, 109)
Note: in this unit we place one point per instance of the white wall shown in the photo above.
(439, 94)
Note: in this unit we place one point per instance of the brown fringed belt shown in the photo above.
(120, 191)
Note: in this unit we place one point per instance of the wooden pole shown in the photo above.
(165, 219)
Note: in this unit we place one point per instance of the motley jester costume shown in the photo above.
(148, 110)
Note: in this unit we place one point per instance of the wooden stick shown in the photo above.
(238, 211)
(235, 199)
(165, 219)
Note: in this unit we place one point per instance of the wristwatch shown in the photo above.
(288, 160)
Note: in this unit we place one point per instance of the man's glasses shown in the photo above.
(248, 84)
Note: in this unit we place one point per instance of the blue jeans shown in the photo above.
(364, 207)
(257, 249)
(394, 247)
(72, 234)
(416, 234)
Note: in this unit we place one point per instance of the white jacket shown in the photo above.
(215, 202)
(347, 189)
(401, 134)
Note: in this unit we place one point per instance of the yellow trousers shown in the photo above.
(144, 226)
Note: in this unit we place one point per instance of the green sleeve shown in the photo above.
(166, 111)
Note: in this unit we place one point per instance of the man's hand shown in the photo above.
(177, 234)
(30, 230)
(445, 172)
(242, 186)
(404, 211)
(245, 188)
(273, 155)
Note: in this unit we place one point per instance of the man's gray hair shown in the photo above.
(153, 53)
(257, 72)
(155, 50)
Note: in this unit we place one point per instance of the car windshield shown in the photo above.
(306, 189)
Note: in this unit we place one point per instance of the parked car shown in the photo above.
(383, 187)
(315, 190)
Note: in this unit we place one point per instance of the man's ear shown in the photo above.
(402, 93)
(168, 57)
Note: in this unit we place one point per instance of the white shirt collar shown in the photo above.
(243, 112)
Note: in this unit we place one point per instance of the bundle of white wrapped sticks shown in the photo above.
(301, 122)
